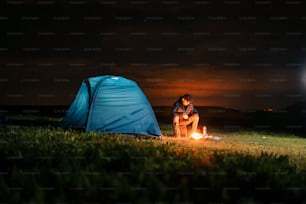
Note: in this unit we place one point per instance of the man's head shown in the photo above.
(186, 99)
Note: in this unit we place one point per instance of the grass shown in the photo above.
(46, 164)
(257, 143)
(252, 142)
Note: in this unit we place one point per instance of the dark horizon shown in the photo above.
(299, 107)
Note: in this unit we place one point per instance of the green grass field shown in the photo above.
(50, 165)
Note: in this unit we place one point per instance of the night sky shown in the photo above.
(236, 54)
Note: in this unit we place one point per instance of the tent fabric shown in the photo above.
(77, 113)
(112, 104)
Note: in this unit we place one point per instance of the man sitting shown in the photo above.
(184, 114)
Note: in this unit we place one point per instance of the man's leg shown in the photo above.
(195, 120)
(183, 131)
(176, 126)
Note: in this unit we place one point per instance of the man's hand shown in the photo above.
(185, 116)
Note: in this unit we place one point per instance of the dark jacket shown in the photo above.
(178, 108)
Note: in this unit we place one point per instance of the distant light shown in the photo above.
(303, 75)
(268, 110)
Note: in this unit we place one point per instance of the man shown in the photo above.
(184, 114)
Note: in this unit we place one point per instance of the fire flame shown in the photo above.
(196, 136)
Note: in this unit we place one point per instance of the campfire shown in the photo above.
(196, 136)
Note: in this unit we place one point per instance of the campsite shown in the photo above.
(153, 101)
(41, 162)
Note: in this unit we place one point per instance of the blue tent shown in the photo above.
(112, 104)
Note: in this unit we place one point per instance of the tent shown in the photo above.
(111, 104)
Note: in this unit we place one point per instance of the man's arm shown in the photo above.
(177, 109)
(189, 110)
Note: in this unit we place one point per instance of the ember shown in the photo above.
(196, 136)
